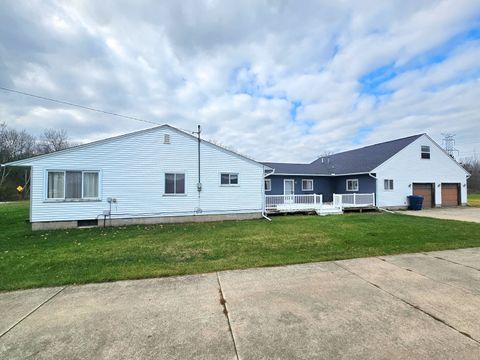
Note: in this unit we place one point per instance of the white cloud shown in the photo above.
(237, 68)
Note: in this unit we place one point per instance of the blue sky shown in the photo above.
(276, 80)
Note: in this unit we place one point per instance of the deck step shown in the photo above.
(330, 211)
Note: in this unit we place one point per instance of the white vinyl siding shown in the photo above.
(132, 170)
(307, 185)
(407, 167)
(352, 185)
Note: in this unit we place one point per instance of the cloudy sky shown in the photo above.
(277, 80)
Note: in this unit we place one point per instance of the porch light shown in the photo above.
(438, 185)
(409, 185)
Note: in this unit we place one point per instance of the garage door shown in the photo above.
(424, 190)
(450, 194)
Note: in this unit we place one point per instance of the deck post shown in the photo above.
(314, 199)
(354, 199)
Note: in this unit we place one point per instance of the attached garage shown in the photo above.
(450, 194)
(427, 191)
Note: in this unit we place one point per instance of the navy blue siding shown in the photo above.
(366, 184)
(325, 185)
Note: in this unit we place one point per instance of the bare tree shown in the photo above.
(472, 165)
(14, 145)
(53, 140)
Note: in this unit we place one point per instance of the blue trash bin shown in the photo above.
(415, 202)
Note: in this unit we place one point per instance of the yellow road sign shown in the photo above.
(19, 188)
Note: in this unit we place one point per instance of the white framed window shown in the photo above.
(425, 152)
(73, 185)
(307, 185)
(229, 179)
(352, 185)
(174, 184)
(388, 184)
(268, 184)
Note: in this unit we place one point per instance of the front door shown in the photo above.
(289, 190)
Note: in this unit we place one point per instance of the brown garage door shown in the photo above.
(450, 194)
(424, 190)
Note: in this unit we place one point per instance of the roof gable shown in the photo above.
(31, 160)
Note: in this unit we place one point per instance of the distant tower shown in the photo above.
(448, 143)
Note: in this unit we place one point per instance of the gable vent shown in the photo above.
(166, 138)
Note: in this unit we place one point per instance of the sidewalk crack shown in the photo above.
(434, 317)
(223, 303)
(31, 312)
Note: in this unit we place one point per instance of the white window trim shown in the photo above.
(229, 174)
(64, 199)
(389, 189)
(184, 173)
(356, 188)
(429, 152)
(269, 187)
(311, 181)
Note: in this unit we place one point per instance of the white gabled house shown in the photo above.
(149, 176)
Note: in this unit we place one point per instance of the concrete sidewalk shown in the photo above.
(408, 306)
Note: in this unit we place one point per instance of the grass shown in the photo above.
(474, 199)
(34, 259)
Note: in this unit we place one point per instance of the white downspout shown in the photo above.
(376, 188)
(264, 212)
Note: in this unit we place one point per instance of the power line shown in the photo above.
(76, 105)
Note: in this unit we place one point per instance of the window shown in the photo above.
(388, 184)
(56, 185)
(425, 152)
(268, 184)
(174, 184)
(352, 184)
(228, 179)
(307, 185)
(72, 185)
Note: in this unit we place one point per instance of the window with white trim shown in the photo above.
(307, 185)
(72, 185)
(228, 179)
(352, 185)
(174, 183)
(388, 184)
(268, 184)
(425, 152)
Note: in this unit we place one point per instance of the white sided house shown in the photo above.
(149, 176)
(421, 168)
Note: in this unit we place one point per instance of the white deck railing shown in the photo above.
(355, 200)
(312, 202)
(293, 202)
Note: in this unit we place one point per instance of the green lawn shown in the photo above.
(474, 199)
(34, 259)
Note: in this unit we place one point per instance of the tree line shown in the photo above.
(17, 145)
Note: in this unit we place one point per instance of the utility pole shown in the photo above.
(448, 143)
(199, 183)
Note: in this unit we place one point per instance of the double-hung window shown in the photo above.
(307, 185)
(268, 184)
(175, 184)
(352, 185)
(425, 152)
(72, 185)
(388, 184)
(228, 179)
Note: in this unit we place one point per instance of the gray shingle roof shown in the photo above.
(360, 160)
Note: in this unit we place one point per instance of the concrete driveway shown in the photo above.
(464, 213)
(409, 306)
